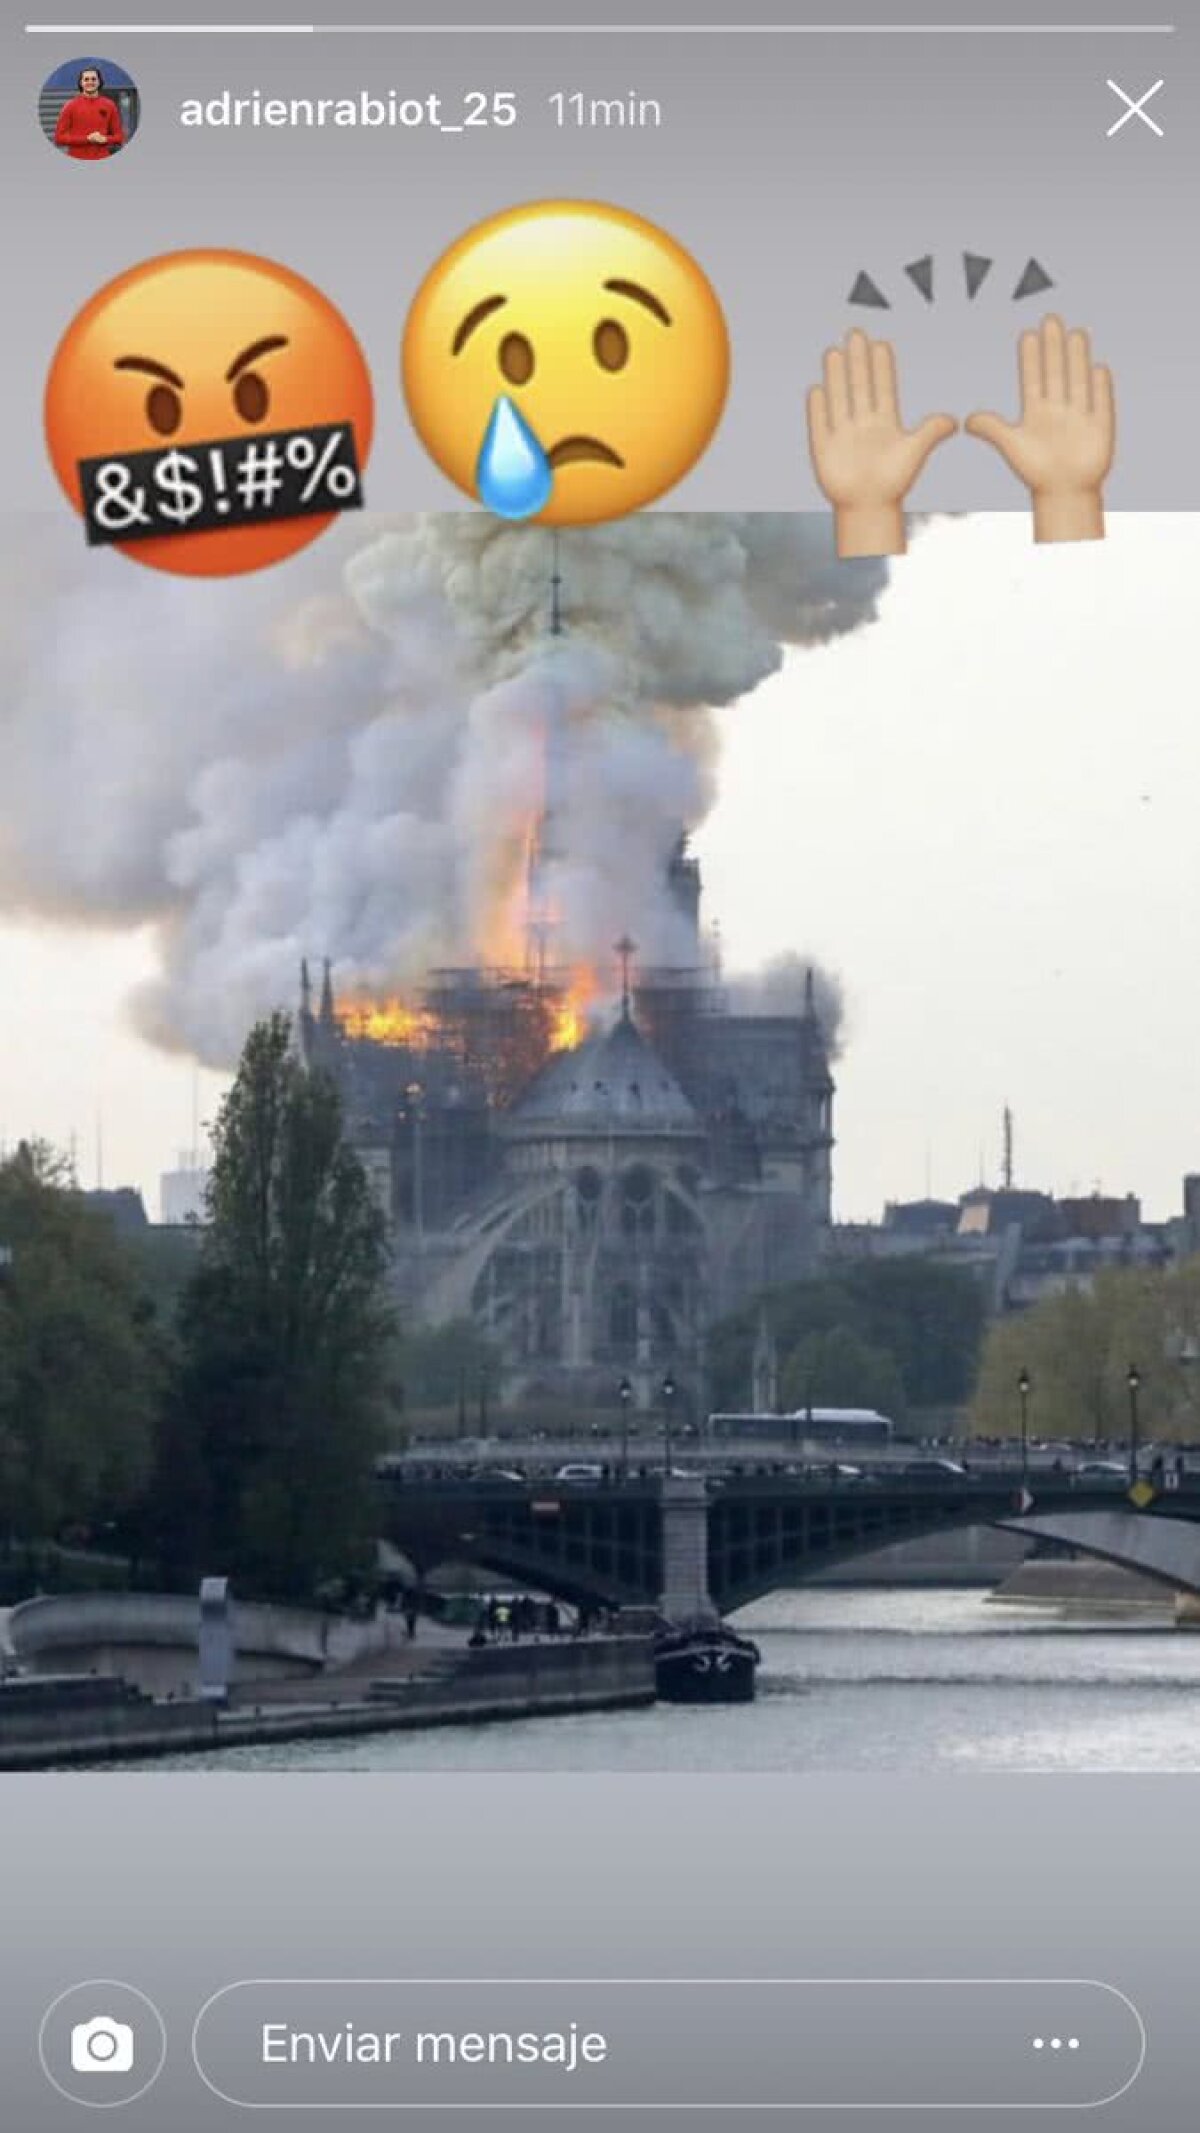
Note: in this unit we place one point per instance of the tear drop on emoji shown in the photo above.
(199, 346)
(565, 361)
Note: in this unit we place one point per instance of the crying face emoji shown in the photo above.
(566, 361)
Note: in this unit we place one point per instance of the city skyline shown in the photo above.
(975, 811)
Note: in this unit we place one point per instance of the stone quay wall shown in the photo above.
(152, 1639)
(529, 1680)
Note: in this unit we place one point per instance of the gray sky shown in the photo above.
(981, 812)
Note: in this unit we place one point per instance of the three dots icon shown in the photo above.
(1056, 2044)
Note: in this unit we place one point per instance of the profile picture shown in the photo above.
(88, 109)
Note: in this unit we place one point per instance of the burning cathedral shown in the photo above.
(587, 1142)
(591, 1191)
(470, 779)
(593, 1147)
(420, 754)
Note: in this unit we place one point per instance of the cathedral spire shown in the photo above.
(305, 989)
(626, 950)
(328, 1017)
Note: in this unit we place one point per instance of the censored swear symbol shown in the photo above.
(234, 481)
(209, 413)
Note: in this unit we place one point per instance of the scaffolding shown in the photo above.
(498, 1024)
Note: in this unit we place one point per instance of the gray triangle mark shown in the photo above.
(1033, 281)
(920, 272)
(865, 292)
(976, 268)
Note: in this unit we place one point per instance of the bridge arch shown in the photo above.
(1166, 1549)
(604, 1543)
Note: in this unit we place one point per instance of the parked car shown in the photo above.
(1101, 1470)
(579, 1470)
(935, 1469)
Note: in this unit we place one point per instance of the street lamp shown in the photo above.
(669, 1390)
(1133, 1378)
(1024, 1388)
(625, 1396)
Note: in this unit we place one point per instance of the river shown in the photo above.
(934, 1680)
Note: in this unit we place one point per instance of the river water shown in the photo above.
(935, 1680)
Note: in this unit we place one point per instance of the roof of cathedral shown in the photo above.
(612, 1083)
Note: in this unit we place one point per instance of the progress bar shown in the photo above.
(600, 29)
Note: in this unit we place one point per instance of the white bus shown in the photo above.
(807, 1425)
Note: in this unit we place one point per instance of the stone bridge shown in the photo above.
(1167, 1549)
(679, 1541)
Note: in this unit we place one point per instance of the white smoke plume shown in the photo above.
(781, 988)
(343, 756)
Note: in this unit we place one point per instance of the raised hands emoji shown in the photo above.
(1062, 447)
(864, 458)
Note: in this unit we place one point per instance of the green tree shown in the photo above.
(1077, 1347)
(928, 1319)
(1182, 1348)
(439, 1366)
(287, 1341)
(162, 1262)
(839, 1369)
(81, 1374)
(1063, 1344)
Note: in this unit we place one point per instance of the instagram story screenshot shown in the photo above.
(600, 1064)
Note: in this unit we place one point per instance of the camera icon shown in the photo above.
(102, 2046)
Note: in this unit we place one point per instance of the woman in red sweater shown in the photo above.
(89, 126)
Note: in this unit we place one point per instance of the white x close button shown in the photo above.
(1135, 107)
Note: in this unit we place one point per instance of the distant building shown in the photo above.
(1101, 1216)
(1023, 1246)
(985, 1212)
(989, 1256)
(182, 1193)
(1043, 1270)
(124, 1207)
(922, 1220)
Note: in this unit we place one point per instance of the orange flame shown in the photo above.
(571, 1020)
(514, 936)
(390, 1021)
